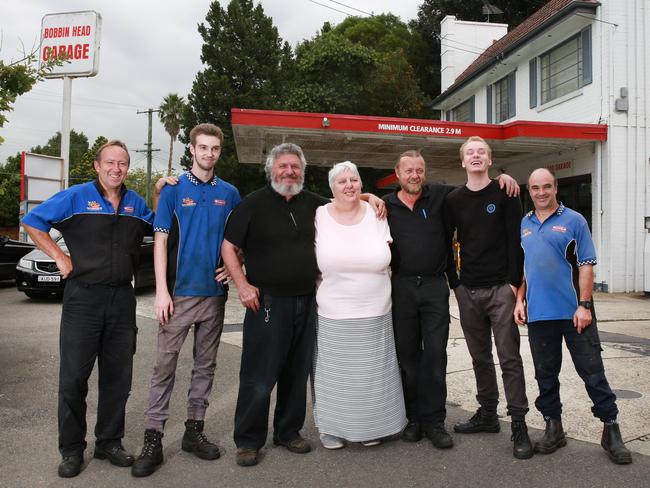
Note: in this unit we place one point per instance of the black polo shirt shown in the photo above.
(277, 238)
(104, 242)
(420, 245)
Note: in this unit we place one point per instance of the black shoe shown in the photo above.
(613, 444)
(439, 436)
(554, 437)
(71, 466)
(247, 456)
(297, 445)
(522, 448)
(412, 432)
(481, 421)
(151, 455)
(116, 455)
(195, 441)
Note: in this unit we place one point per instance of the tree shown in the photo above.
(10, 191)
(427, 24)
(171, 113)
(246, 64)
(360, 66)
(17, 78)
(84, 169)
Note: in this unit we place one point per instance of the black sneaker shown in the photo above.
(71, 466)
(151, 455)
(522, 447)
(439, 436)
(481, 421)
(195, 441)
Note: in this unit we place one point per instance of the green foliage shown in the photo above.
(361, 66)
(17, 78)
(246, 65)
(136, 180)
(10, 191)
(427, 24)
(171, 114)
(84, 170)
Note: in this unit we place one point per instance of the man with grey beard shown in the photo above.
(273, 228)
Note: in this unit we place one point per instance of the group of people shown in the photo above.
(353, 290)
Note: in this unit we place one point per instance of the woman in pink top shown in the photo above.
(357, 385)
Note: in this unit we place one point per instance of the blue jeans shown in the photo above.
(545, 339)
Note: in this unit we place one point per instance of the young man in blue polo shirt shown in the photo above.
(556, 300)
(189, 225)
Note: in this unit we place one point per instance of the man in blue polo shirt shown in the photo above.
(103, 224)
(556, 301)
(189, 225)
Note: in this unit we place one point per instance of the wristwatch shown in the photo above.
(588, 304)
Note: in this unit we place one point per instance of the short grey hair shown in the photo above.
(339, 168)
(279, 150)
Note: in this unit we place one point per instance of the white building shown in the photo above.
(572, 61)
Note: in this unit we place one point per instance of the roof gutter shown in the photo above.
(550, 22)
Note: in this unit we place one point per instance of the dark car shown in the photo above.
(10, 253)
(37, 275)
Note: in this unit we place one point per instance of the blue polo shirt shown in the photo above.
(194, 215)
(104, 242)
(553, 251)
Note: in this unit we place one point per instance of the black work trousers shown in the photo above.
(421, 324)
(278, 347)
(97, 322)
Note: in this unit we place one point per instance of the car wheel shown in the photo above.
(35, 294)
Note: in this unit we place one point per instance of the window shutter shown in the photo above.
(586, 55)
(489, 104)
(511, 95)
(532, 73)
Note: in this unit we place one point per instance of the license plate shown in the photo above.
(49, 278)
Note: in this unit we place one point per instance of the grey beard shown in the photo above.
(287, 190)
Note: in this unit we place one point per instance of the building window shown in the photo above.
(502, 96)
(566, 67)
(463, 112)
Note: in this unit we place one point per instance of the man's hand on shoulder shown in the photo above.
(379, 205)
(165, 180)
(508, 183)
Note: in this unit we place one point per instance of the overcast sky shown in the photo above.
(148, 50)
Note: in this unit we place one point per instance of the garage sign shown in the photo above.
(74, 37)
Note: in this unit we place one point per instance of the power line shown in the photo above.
(351, 8)
(331, 8)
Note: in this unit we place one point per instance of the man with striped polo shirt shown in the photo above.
(556, 301)
(189, 225)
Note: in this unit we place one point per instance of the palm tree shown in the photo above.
(170, 113)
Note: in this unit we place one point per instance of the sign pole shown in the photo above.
(65, 129)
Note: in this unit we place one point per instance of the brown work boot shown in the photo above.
(247, 456)
(297, 445)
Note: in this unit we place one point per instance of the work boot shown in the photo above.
(195, 441)
(151, 456)
(613, 444)
(481, 421)
(71, 466)
(247, 456)
(297, 445)
(554, 437)
(439, 436)
(412, 432)
(522, 448)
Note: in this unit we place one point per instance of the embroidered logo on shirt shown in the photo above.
(93, 205)
(526, 232)
(491, 208)
(559, 228)
(128, 209)
(188, 202)
(218, 201)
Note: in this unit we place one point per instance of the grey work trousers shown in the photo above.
(207, 314)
